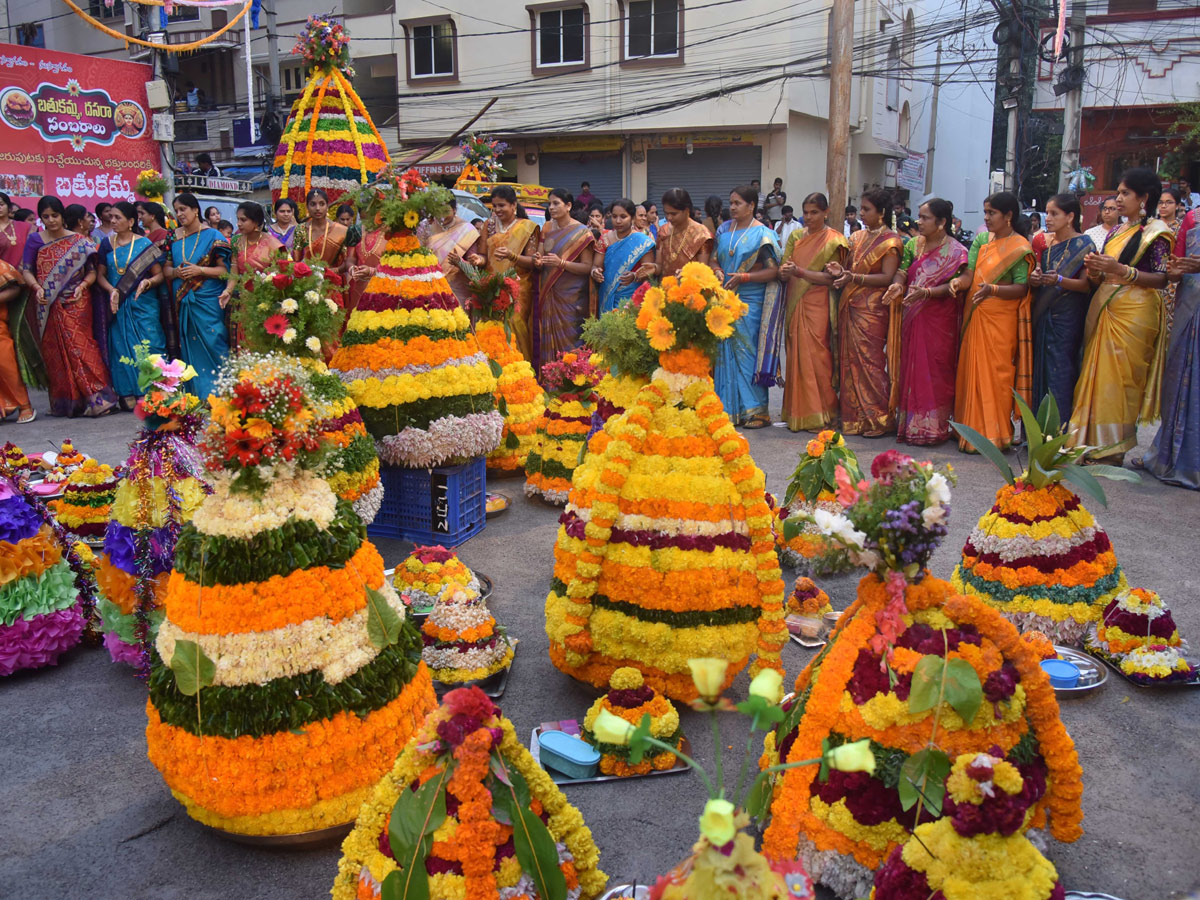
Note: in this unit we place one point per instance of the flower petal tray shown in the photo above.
(1192, 682)
(560, 779)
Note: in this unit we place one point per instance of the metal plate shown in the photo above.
(500, 496)
(1091, 673)
(625, 891)
(485, 584)
(808, 644)
(305, 839)
(1194, 681)
(493, 685)
(536, 751)
(1089, 895)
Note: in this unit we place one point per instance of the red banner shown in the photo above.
(76, 127)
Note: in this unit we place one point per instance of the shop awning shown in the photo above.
(445, 161)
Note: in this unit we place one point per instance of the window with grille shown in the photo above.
(431, 50)
(561, 36)
(651, 28)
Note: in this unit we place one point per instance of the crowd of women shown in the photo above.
(875, 334)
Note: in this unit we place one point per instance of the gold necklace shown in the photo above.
(128, 257)
(324, 235)
(246, 250)
(184, 251)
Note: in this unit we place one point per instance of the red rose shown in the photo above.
(333, 278)
(301, 269)
(281, 281)
(283, 264)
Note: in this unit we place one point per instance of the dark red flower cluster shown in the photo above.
(896, 881)
(433, 554)
(1001, 684)
(927, 640)
(1134, 623)
(888, 464)
(639, 294)
(871, 678)
(630, 698)
(261, 428)
(867, 798)
(1002, 813)
(469, 709)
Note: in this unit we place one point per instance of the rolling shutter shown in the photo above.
(568, 170)
(709, 170)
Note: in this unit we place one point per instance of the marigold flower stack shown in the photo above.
(408, 357)
(665, 552)
(87, 499)
(630, 698)
(285, 677)
(1137, 633)
(329, 141)
(464, 765)
(162, 488)
(40, 616)
(879, 678)
(563, 431)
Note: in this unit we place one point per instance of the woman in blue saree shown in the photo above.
(198, 262)
(129, 273)
(746, 260)
(620, 251)
(1060, 305)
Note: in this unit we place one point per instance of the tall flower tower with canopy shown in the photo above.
(329, 141)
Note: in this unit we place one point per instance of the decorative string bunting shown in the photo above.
(170, 48)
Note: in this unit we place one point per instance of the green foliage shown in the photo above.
(415, 817)
(624, 346)
(532, 840)
(400, 200)
(923, 777)
(383, 622)
(192, 667)
(288, 308)
(953, 680)
(815, 474)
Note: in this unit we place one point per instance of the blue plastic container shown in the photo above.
(442, 506)
(1063, 674)
(568, 755)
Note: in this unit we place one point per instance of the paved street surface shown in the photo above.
(83, 813)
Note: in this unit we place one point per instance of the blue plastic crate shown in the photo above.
(432, 506)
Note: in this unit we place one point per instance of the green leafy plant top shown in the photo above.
(624, 346)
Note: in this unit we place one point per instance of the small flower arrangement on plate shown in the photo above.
(570, 381)
(1137, 635)
(426, 572)
(813, 486)
(629, 697)
(462, 641)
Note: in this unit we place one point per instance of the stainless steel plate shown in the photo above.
(627, 891)
(493, 685)
(1089, 895)
(536, 751)
(1092, 672)
(305, 839)
(507, 504)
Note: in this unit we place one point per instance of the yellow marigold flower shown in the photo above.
(825, 436)
(719, 321)
(411, 219)
(661, 333)
(258, 428)
(701, 273)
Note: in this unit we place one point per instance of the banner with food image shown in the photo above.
(77, 127)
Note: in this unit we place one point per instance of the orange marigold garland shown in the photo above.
(665, 551)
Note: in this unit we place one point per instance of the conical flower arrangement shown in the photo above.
(329, 141)
(624, 349)
(563, 431)
(922, 673)
(425, 389)
(87, 499)
(462, 640)
(291, 309)
(164, 485)
(519, 397)
(487, 819)
(665, 552)
(285, 677)
(1038, 556)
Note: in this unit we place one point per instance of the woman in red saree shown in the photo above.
(60, 269)
(364, 262)
(926, 356)
(322, 238)
(254, 249)
(866, 325)
(565, 259)
(681, 241)
(996, 354)
(810, 400)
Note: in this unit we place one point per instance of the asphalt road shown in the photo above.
(83, 813)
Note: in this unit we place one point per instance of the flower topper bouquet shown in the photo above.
(892, 525)
(400, 200)
(691, 311)
(482, 157)
(290, 308)
(492, 293)
(261, 421)
(573, 375)
(164, 404)
(151, 184)
(325, 44)
(616, 336)
(813, 486)
(724, 857)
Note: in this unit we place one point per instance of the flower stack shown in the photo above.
(68, 458)
(285, 677)
(813, 486)
(519, 398)
(625, 349)
(922, 673)
(978, 848)
(152, 185)
(423, 385)
(808, 600)
(462, 640)
(87, 499)
(162, 488)
(630, 698)
(292, 310)
(483, 811)
(1137, 633)
(1038, 556)
(570, 380)
(40, 617)
(665, 550)
(426, 572)
(481, 158)
(329, 141)
(16, 460)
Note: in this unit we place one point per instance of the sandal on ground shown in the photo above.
(755, 422)
(27, 417)
(1138, 462)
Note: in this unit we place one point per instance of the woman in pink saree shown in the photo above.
(927, 355)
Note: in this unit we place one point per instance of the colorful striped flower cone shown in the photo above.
(524, 401)
(329, 141)
(285, 677)
(845, 826)
(471, 767)
(665, 552)
(462, 640)
(563, 431)
(86, 500)
(40, 617)
(352, 466)
(1040, 558)
(410, 361)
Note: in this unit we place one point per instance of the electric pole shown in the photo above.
(272, 56)
(1073, 101)
(837, 165)
(933, 113)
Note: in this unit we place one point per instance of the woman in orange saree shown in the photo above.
(867, 327)
(1124, 340)
(996, 353)
(450, 240)
(809, 391)
(681, 241)
(565, 299)
(511, 244)
(254, 249)
(322, 238)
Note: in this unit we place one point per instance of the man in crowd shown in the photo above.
(756, 186)
(586, 198)
(775, 202)
(851, 224)
(205, 167)
(786, 224)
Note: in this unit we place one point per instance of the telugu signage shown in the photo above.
(910, 174)
(73, 126)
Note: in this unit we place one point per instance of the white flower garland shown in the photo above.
(303, 496)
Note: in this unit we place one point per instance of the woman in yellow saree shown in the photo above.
(510, 243)
(996, 354)
(867, 327)
(565, 295)
(1124, 335)
(450, 240)
(810, 400)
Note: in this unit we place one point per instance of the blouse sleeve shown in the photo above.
(909, 255)
(222, 253)
(973, 253)
(1189, 222)
(33, 244)
(1019, 273)
(1155, 260)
